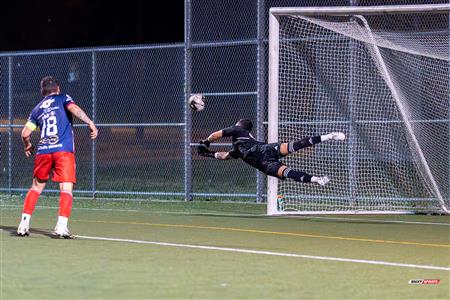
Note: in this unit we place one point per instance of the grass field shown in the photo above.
(128, 250)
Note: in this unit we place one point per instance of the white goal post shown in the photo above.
(380, 74)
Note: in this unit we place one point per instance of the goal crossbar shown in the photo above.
(363, 10)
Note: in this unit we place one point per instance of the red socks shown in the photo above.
(30, 201)
(65, 204)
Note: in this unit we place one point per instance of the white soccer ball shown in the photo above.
(197, 102)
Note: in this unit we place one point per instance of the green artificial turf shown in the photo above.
(40, 267)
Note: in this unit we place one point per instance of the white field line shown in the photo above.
(341, 219)
(361, 261)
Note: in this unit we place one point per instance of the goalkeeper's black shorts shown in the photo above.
(265, 158)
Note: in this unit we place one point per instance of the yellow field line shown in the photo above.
(267, 232)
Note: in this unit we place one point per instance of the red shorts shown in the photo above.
(62, 164)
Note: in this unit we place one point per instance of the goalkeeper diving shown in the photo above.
(262, 156)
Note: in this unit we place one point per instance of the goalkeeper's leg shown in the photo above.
(287, 148)
(286, 172)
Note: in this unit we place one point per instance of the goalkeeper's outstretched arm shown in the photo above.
(217, 135)
(202, 150)
(212, 138)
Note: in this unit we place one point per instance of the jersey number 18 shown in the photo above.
(49, 127)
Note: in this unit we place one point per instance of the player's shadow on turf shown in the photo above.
(13, 231)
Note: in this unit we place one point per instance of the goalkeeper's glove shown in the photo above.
(202, 150)
(205, 142)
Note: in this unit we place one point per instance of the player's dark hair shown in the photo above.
(49, 85)
(245, 123)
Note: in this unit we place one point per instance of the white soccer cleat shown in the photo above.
(23, 229)
(62, 231)
(337, 136)
(320, 180)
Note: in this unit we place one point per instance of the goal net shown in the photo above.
(378, 74)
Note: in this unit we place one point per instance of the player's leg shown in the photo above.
(64, 173)
(28, 206)
(286, 148)
(286, 172)
(41, 173)
(65, 208)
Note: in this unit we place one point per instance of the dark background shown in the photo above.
(48, 24)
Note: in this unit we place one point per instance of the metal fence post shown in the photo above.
(94, 119)
(261, 91)
(10, 128)
(187, 111)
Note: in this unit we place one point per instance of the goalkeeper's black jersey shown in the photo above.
(243, 141)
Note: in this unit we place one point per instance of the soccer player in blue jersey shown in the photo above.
(262, 156)
(55, 152)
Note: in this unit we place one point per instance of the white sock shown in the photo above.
(326, 137)
(315, 179)
(63, 221)
(320, 180)
(26, 218)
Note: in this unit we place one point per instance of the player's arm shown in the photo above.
(212, 138)
(80, 114)
(217, 135)
(226, 132)
(26, 138)
(202, 150)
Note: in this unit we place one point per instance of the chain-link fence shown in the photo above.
(134, 95)
(137, 95)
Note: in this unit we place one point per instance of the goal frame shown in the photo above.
(274, 17)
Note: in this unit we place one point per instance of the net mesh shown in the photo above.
(384, 81)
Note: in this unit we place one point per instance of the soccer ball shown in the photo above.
(197, 102)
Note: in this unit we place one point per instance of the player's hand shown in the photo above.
(29, 150)
(205, 142)
(94, 130)
(202, 150)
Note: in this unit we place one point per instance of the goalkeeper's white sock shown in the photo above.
(337, 136)
(320, 180)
